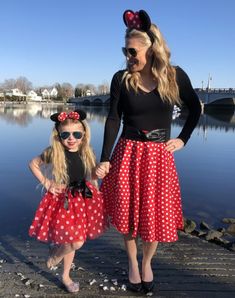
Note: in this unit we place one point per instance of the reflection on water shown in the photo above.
(224, 119)
(206, 166)
(23, 114)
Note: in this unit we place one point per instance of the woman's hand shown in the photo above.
(102, 169)
(174, 144)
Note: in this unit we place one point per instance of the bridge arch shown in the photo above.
(86, 102)
(223, 101)
(97, 102)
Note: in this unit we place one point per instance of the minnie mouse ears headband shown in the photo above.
(138, 20)
(75, 115)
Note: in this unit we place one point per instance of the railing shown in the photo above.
(216, 90)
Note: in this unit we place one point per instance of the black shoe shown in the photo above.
(148, 286)
(134, 287)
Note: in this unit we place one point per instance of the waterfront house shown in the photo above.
(54, 93)
(15, 94)
(88, 92)
(45, 94)
(32, 96)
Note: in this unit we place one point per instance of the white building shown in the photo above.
(45, 94)
(54, 93)
(88, 92)
(32, 96)
(15, 92)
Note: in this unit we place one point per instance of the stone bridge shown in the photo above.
(95, 100)
(217, 96)
(214, 96)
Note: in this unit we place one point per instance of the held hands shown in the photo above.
(174, 144)
(102, 169)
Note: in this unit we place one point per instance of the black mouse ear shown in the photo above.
(54, 117)
(145, 20)
(139, 20)
(81, 113)
(127, 15)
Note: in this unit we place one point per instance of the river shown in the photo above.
(206, 166)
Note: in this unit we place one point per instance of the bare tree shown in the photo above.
(23, 84)
(9, 84)
(103, 88)
(92, 88)
(68, 90)
(65, 91)
(80, 90)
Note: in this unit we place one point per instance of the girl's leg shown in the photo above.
(149, 249)
(67, 252)
(58, 253)
(131, 249)
(68, 260)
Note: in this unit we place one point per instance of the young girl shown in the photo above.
(72, 209)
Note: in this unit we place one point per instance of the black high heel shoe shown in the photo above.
(134, 287)
(148, 286)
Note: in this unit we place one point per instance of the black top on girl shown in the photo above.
(72, 208)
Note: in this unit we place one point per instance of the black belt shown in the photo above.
(160, 135)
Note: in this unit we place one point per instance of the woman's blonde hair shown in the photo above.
(55, 154)
(163, 72)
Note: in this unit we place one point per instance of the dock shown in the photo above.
(190, 267)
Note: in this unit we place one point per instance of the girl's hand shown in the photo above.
(102, 169)
(52, 187)
(174, 145)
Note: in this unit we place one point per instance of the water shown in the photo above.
(206, 166)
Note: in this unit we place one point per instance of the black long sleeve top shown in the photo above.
(75, 166)
(146, 110)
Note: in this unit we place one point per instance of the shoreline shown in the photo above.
(189, 267)
(222, 236)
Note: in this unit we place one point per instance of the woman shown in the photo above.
(141, 189)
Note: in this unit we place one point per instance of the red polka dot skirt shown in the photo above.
(84, 218)
(142, 192)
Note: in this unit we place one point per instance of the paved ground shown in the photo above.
(190, 267)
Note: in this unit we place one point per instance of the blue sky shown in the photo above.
(51, 41)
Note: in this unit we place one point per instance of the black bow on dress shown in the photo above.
(80, 187)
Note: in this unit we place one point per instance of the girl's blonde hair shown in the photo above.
(163, 72)
(55, 154)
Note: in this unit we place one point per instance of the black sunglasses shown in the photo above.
(131, 51)
(66, 134)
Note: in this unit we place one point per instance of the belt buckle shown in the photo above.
(156, 135)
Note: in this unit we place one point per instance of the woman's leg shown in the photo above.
(149, 249)
(131, 249)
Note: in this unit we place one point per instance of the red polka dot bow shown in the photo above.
(72, 115)
(133, 20)
(139, 20)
